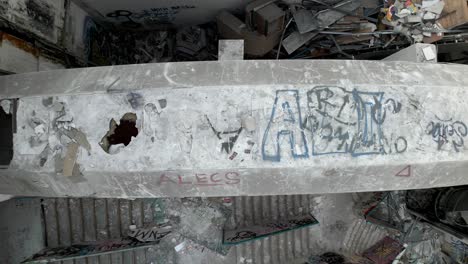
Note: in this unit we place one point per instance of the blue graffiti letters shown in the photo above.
(338, 121)
(285, 124)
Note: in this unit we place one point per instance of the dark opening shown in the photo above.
(6, 138)
(121, 133)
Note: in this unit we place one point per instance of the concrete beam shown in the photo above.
(419, 52)
(238, 128)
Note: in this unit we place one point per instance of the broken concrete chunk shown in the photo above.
(70, 159)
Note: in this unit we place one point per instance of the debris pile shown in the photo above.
(415, 21)
(393, 228)
(337, 29)
(287, 29)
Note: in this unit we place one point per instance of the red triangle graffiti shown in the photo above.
(405, 172)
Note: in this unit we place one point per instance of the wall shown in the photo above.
(44, 18)
(39, 37)
(19, 56)
(150, 14)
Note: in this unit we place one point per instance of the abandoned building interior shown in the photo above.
(234, 131)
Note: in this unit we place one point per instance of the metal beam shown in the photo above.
(239, 128)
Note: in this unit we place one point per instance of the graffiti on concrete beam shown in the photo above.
(337, 121)
(448, 134)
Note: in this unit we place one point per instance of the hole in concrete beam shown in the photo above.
(121, 133)
(7, 119)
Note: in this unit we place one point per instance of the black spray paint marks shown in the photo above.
(162, 103)
(120, 133)
(151, 16)
(229, 137)
(136, 100)
(42, 15)
(447, 133)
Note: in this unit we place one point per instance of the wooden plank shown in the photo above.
(456, 14)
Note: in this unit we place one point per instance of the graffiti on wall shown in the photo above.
(448, 134)
(155, 15)
(337, 121)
